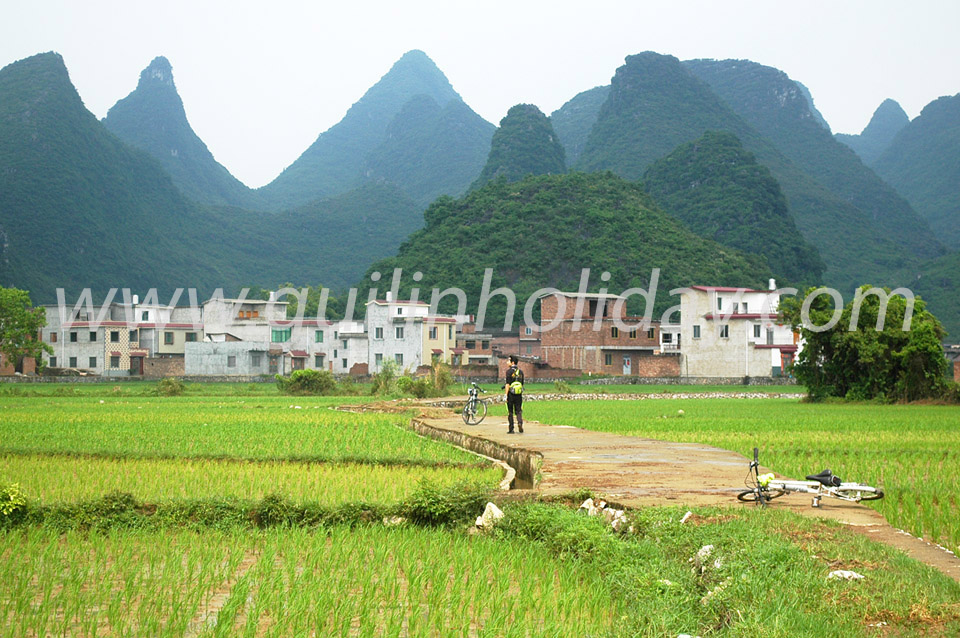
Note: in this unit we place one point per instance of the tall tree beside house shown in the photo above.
(20, 326)
(864, 359)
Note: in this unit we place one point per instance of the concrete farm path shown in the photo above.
(635, 472)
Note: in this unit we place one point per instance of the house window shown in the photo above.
(724, 332)
(633, 333)
(529, 349)
(614, 332)
(256, 314)
(484, 345)
(93, 336)
(696, 332)
(719, 302)
(334, 354)
(399, 332)
(450, 332)
(756, 332)
(73, 362)
(433, 332)
(73, 337)
(255, 359)
(168, 338)
(344, 363)
(649, 333)
(134, 336)
(470, 345)
(769, 337)
(53, 337)
(607, 359)
(399, 311)
(378, 359)
(232, 361)
(191, 336)
(145, 316)
(114, 361)
(398, 358)
(318, 336)
(280, 335)
(318, 361)
(53, 362)
(344, 344)
(378, 333)
(743, 308)
(667, 337)
(335, 334)
(114, 336)
(528, 330)
(92, 362)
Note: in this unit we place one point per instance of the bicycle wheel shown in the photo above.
(474, 412)
(860, 492)
(752, 496)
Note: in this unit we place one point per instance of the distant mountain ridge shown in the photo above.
(655, 104)
(888, 120)
(152, 118)
(337, 160)
(81, 209)
(923, 164)
(776, 107)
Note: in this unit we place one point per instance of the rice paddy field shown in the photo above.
(912, 451)
(546, 571)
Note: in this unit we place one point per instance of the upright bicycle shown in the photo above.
(762, 488)
(475, 410)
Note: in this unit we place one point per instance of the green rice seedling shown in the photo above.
(192, 427)
(56, 479)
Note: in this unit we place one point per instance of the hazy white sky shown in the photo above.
(260, 80)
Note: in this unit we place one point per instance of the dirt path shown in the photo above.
(635, 472)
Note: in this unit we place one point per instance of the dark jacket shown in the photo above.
(513, 374)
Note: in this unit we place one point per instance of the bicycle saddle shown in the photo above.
(825, 478)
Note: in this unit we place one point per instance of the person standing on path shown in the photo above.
(514, 389)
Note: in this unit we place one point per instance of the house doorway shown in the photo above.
(627, 365)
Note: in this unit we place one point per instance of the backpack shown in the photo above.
(516, 388)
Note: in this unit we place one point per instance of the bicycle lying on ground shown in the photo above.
(764, 487)
(475, 410)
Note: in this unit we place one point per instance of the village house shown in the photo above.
(733, 332)
(594, 334)
(404, 332)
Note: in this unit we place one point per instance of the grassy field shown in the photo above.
(546, 571)
(912, 451)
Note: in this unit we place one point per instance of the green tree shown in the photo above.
(20, 325)
(849, 353)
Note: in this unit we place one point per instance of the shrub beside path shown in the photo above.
(636, 472)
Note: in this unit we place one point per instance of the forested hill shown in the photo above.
(774, 105)
(543, 230)
(81, 209)
(152, 118)
(525, 144)
(923, 164)
(888, 120)
(655, 104)
(335, 162)
(721, 193)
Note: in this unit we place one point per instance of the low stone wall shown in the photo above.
(691, 381)
(526, 462)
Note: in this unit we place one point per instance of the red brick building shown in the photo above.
(7, 368)
(594, 334)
